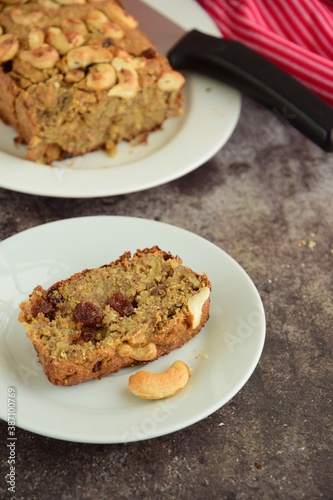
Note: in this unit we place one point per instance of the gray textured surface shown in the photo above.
(266, 199)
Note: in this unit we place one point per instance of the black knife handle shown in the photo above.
(236, 65)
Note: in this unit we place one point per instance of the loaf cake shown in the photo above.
(78, 76)
(125, 313)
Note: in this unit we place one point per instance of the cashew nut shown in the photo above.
(74, 76)
(48, 4)
(119, 15)
(99, 23)
(144, 353)
(64, 42)
(195, 305)
(171, 81)
(101, 76)
(74, 24)
(83, 56)
(128, 79)
(43, 57)
(148, 385)
(136, 62)
(24, 18)
(9, 46)
(36, 37)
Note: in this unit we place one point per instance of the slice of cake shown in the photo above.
(78, 76)
(129, 312)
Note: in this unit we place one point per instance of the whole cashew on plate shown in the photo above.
(148, 385)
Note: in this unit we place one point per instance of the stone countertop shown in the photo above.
(266, 199)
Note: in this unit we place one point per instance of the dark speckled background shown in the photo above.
(266, 199)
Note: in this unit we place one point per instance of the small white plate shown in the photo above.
(183, 144)
(222, 356)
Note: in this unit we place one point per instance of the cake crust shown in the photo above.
(129, 312)
(78, 76)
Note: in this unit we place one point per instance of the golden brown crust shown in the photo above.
(80, 77)
(126, 313)
(8, 91)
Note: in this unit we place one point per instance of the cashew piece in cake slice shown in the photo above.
(36, 38)
(171, 81)
(195, 305)
(101, 76)
(43, 57)
(148, 385)
(98, 22)
(84, 56)
(74, 24)
(25, 18)
(144, 353)
(118, 15)
(128, 79)
(139, 353)
(74, 76)
(64, 42)
(49, 4)
(9, 46)
(136, 61)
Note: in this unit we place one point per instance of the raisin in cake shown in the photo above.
(78, 75)
(129, 312)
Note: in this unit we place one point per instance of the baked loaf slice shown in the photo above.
(78, 76)
(129, 312)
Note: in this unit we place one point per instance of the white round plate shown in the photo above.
(183, 144)
(222, 356)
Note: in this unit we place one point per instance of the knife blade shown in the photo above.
(240, 67)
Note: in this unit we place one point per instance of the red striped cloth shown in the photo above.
(297, 35)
